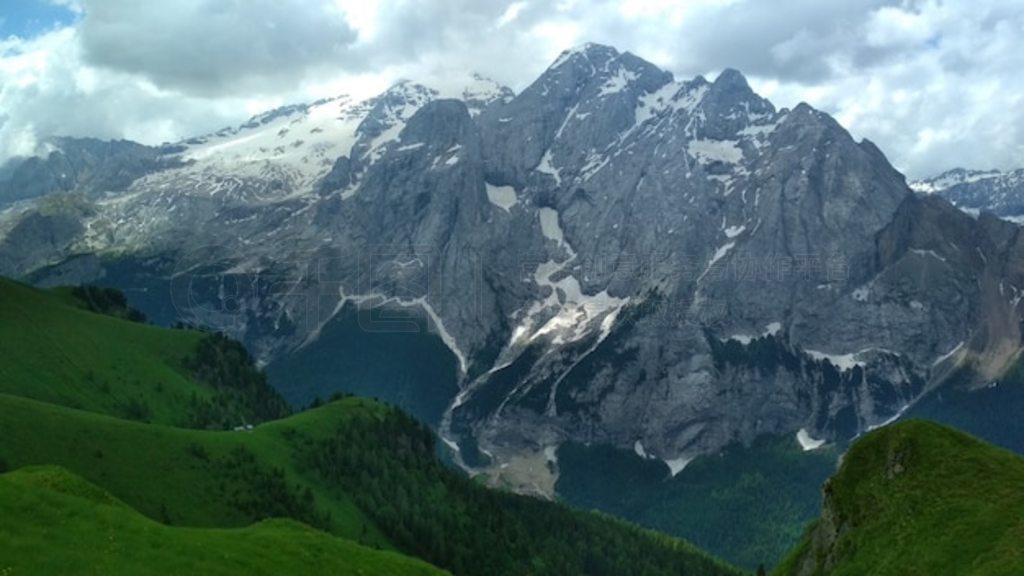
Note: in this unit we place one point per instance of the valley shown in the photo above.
(337, 483)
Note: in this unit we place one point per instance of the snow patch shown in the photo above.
(677, 465)
(295, 146)
(450, 444)
(734, 231)
(594, 164)
(638, 447)
(720, 253)
(617, 83)
(769, 330)
(758, 131)
(479, 93)
(446, 336)
(948, 355)
(564, 57)
(806, 442)
(545, 167)
(952, 178)
(890, 420)
(574, 313)
(549, 225)
(382, 299)
(503, 197)
(551, 454)
(843, 362)
(707, 151)
(688, 99)
(651, 104)
(929, 253)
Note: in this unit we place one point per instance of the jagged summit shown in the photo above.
(480, 92)
(590, 51)
(598, 61)
(732, 78)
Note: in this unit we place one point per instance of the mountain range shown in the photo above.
(610, 258)
(135, 449)
(995, 191)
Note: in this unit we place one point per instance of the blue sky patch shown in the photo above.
(28, 18)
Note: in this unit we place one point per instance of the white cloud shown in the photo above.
(212, 48)
(946, 91)
(934, 84)
(511, 13)
(48, 89)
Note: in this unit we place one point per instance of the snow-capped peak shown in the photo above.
(479, 92)
(952, 178)
(974, 191)
(589, 50)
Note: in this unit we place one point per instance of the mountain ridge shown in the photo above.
(583, 248)
(974, 191)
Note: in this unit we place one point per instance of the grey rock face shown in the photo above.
(36, 238)
(613, 256)
(714, 216)
(81, 165)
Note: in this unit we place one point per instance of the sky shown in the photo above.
(935, 84)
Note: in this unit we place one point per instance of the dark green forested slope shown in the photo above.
(747, 504)
(354, 469)
(918, 498)
(388, 464)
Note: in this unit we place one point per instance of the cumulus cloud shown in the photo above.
(941, 90)
(47, 89)
(215, 47)
(934, 83)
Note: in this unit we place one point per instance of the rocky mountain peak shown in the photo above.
(482, 92)
(731, 87)
(731, 78)
(731, 105)
(593, 54)
(605, 67)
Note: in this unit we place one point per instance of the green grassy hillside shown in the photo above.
(355, 468)
(58, 352)
(56, 523)
(55, 350)
(140, 412)
(184, 477)
(918, 498)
